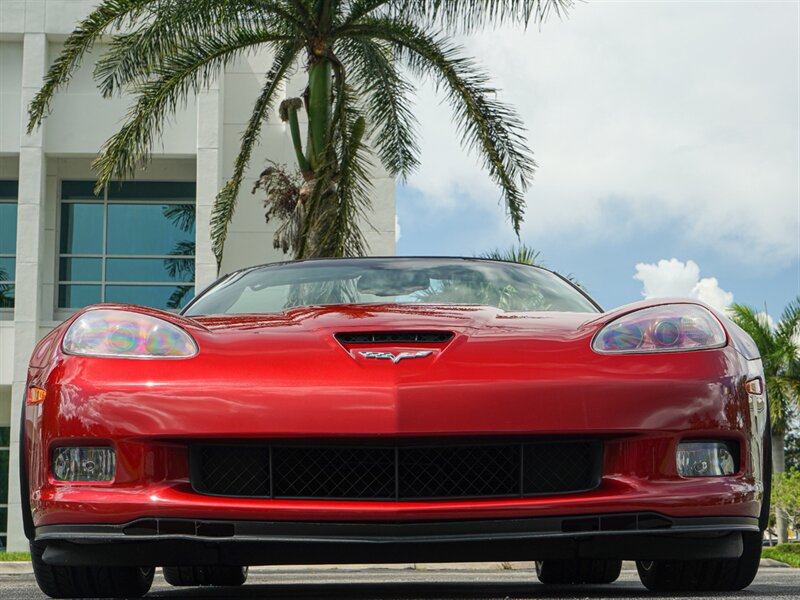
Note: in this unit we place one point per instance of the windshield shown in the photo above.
(273, 288)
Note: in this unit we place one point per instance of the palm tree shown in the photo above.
(519, 254)
(780, 356)
(508, 297)
(359, 55)
(526, 255)
(180, 269)
(6, 291)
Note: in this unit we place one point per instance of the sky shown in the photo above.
(667, 135)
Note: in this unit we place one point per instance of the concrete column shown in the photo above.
(209, 178)
(30, 226)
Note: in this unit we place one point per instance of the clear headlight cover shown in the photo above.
(667, 328)
(705, 459)
(122, 334)
(84, 464)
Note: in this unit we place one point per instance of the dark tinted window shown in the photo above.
(134, 243)
(8, 242)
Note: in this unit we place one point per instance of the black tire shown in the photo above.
(723, 575)
(89, 582)
(219, 575)
(578, 570)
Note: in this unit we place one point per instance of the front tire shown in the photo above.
(578, 570)
(721, 575)
(219, 575)
(89, 582)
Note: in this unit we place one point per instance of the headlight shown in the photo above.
(122, 334)
(668, 328)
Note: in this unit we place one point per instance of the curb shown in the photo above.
(25, 568)
(15, 568)
(769, 562)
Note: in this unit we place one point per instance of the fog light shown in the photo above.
(703, 459)
(84, 464)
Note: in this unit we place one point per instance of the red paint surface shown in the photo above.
(286, 376)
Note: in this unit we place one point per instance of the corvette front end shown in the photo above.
(394, 432)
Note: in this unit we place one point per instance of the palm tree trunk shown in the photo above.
(779, 466)
(319, 109)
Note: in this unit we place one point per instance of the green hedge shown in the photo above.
(9, 556)
(787, 553)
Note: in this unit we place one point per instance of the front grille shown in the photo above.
(395, 337)
(401, 472)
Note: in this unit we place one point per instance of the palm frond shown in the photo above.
(470, 15)
(462, 15)
(225, 204)
(788, 329)
(526, 255)
(522, 253)
(485, 124)
(6, 296)
(178, 266)
(778, 403)
(755, 325)
(304, 12)
(362, 8)
(135, 54)
(779, 355)
(184, 72)
(109, 13)
(283, 188)
(387, 95)
(176, 298)
(182, 216)
(344, 235)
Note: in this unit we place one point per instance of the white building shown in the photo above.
(62, 248)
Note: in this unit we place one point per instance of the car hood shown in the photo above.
(483, 321)
(290, 374)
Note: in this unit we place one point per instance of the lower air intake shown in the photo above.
(403, 472)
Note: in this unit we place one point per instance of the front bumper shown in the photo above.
(174, 542)
(640, 407)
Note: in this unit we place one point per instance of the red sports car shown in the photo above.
(394, 410)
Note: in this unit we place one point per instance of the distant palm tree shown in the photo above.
(6, 291)
(520, 254)
(358, 56)
(525, 255)
(780, 355)
(177, 267)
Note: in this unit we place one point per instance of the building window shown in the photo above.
(133, 244)
(8, 242)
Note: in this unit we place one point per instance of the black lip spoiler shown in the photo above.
(646, 536)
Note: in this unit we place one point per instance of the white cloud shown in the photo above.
(397, 233)
(674, 278)
(673, 114)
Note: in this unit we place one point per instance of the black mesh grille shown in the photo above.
(396, 337)
(558, 466)
(464, 471)
(239, 471)
(334, 472)
(406, 471)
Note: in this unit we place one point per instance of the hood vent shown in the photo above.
(395, 337)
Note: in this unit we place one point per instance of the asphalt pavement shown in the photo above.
(423, 582)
